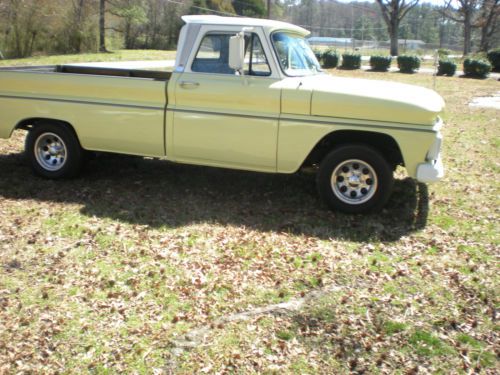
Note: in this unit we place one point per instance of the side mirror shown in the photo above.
(237, 52)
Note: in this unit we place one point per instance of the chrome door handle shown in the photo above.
(189, 84)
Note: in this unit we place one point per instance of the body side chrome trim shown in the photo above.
(312, 119)
(81, 102)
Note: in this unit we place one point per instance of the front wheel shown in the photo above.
(53, 151)
(355, 179)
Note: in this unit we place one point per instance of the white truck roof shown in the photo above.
(269, 25)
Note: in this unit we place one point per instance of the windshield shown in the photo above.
(295, 55)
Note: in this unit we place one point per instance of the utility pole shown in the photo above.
(352, 26)
(269, 9)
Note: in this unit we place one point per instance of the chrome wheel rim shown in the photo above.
(50, 151)
(354, 181)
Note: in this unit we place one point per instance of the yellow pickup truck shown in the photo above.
(245, 94)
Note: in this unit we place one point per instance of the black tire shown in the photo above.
(53, 151)
(355, 179)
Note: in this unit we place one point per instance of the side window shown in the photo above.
(213, 55)
(255, 59)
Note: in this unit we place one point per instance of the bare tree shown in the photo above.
(393, 11)
(488, 22)
(464, 14)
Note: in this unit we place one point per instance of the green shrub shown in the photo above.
(380, 63)
(494, 59)
(476, 68)
(319, 55)
(408, 63)
(351, 61)
(330, 59)
(446, 68)
(443, 52)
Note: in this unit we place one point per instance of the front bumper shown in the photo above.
(432, 171)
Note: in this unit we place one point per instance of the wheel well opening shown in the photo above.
(384, 143)
(31, 123)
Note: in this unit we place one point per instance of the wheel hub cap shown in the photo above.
(354, 181)
(50, 151)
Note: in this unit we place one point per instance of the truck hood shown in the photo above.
(373, 100)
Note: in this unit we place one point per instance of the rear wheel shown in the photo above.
(53, 151)
(355, 179)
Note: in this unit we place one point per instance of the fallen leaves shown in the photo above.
(108, 271)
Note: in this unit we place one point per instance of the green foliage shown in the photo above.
(216, 5)
(476, 68)
(380, 63)
(494, 59)
(319, 55)
(351, 61)
(447, 68)
(408, 63)
(221, 5)
(249, 8)
(134, 14)
(330, 58)
(443, 52)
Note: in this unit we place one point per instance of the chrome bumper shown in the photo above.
(432, 171)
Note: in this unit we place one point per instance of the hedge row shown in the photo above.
(380, 63)
(408, 63)
(330, 59)
(475, 68)
(494, 59)
(351, 61)
(446, 68)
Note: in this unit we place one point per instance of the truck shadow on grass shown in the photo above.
(161, 194)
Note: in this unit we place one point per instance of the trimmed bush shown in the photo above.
(408, 63)
(380, 63)
(446, 68)
(351, 61)
(330, 59)
(319, 55)
(476, 68)
(494, 59)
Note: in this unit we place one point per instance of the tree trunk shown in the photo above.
(394, 34)
(102, 26)
(128, 36)
(467, 31)
(489, 15)
(442, 31)
(485, 40)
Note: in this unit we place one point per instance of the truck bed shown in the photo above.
(111, 109)
(90, 70)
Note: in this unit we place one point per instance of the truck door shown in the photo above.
(223, 119)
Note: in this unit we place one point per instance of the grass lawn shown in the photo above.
(140, 265)
(118, 55)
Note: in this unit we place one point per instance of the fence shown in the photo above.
(405, 45)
